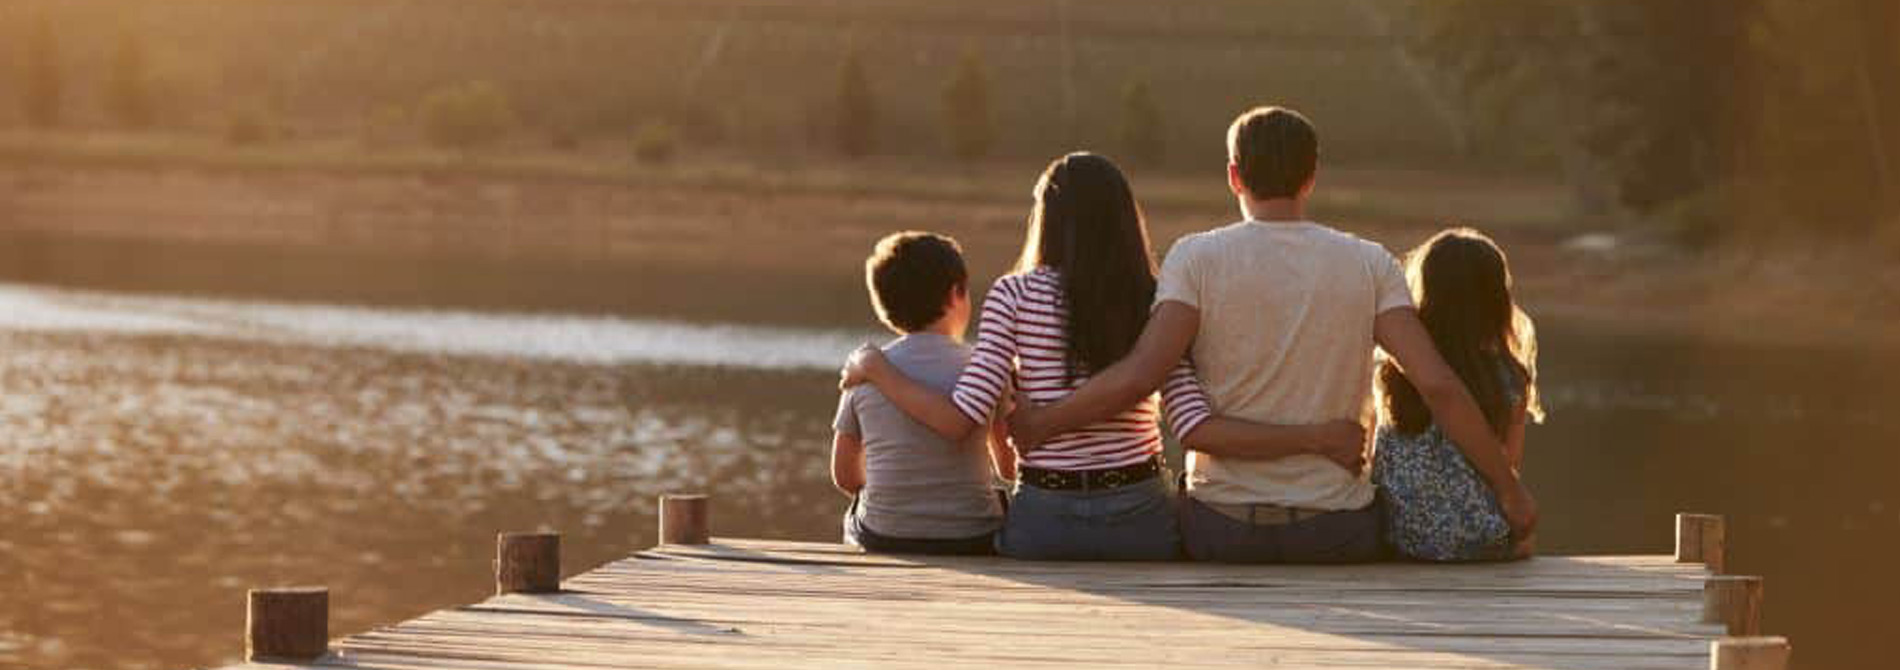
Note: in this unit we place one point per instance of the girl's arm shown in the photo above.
(847, 463)
(1514, 440)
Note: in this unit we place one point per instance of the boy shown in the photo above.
(912, 490)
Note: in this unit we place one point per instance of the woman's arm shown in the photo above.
(1342, 442)
(847, 463)
(984, 383)
(927, 406)
(1002, 454)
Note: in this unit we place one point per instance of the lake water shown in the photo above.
(162, 454)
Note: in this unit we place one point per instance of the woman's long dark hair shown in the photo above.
(1462, 283)
(1087, 227)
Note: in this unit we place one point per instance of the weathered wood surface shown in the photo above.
(767, 604)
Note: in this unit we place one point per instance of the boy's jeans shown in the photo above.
(1130, 523)
(855, 532)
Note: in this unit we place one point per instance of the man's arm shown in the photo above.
(1163, 343)
(1401, 334)
(1514, 440)
(847, 463)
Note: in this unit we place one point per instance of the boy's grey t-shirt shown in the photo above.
(918, 485)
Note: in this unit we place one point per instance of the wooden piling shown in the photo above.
(1749, 653)
(1734, 601)
(287, 623)
(684, 519)
(1702, 538)
(527, 563)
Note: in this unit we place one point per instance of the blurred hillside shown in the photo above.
(755, 75)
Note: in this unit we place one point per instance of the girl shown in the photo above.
(1077, 302)
(1437, 507)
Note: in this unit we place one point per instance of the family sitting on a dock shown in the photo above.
(1256, 343)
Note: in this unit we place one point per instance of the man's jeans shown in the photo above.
(1351, 536)
(1130, 523)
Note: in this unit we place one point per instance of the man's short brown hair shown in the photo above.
(1276, 151)
(910, 275)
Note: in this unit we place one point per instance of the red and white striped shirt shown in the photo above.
(1021, 341)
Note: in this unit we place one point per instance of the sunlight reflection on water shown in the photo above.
(568, 338)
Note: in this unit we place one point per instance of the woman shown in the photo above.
(1076, 303)
(1437, 507)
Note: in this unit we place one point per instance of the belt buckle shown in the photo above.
(1051, 479)
(1113, 479)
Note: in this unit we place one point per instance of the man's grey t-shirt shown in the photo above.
(918, 485)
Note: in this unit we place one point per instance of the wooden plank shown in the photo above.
(757, 604)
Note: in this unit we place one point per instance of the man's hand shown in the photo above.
(866, 364)
(1026, 428)
(1342, 442)
(1520, 509)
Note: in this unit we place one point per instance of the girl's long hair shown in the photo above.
(1463, 284)
(1087, 227)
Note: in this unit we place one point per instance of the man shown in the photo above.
(1281, 316)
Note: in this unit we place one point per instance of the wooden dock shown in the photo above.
(756, 604)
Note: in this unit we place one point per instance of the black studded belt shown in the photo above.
(1090, 480)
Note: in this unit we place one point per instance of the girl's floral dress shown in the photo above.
(1437, 506)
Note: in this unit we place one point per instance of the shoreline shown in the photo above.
(550, 244)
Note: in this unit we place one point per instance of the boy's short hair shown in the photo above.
(1275, 149)
(910, 274)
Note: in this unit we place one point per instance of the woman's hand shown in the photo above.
(1342, 442)
(867, 364)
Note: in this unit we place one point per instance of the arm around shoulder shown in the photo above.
(1400, 333)
(1163, 343)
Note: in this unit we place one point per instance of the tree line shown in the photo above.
(468, 115)
(968, 113)
(1721, 118)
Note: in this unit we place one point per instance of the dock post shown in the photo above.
(1734, 601)
(683, 519)
(1702, 538)
(527, 563)
(1749, 653)
(287, 623)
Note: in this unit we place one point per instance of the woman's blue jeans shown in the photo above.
(1136, 522)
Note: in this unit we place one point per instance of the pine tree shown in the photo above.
(966, 109)
(857, 109)
(44, 85)
(1141, 127)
